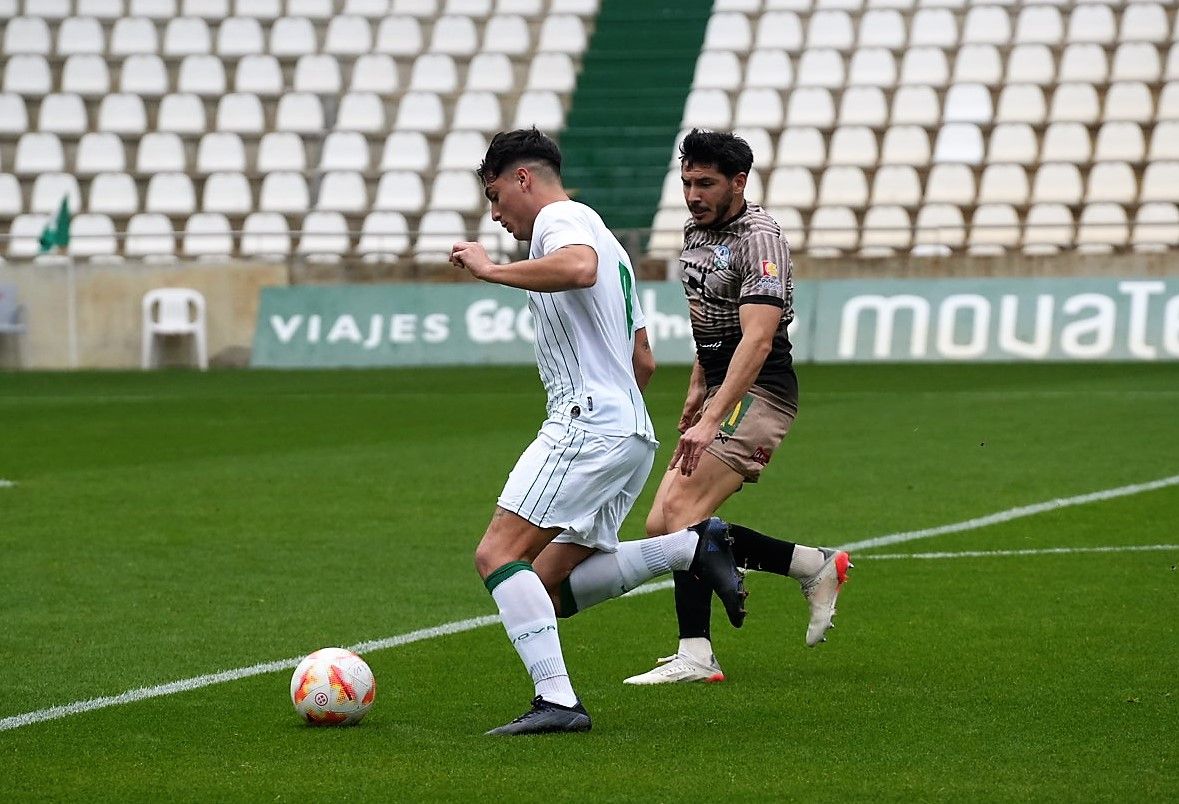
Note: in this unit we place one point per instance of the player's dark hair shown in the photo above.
(727, 152)
(511, 148)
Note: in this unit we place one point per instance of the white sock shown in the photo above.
(698, 648)
(805, 562)
(603, 576)
(528, 617)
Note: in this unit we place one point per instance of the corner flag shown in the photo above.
(57, 233)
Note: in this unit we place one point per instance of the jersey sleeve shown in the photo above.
(765, 269)
(557, 229)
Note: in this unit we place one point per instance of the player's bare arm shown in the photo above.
(643, 359)
(759, 322)
(566, 268)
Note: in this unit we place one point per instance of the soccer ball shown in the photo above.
(333, 687)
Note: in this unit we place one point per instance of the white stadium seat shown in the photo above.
(1057, 182)
(1164, 142)
(1111, 182)
(185, 36)
(933, 27)
(715, 69)
(285, 192)
(1085, 63)
(122, 113)
(92, 236)
(207, 234)
(325, 236)
(1121, 141)
(348, 36)
(810, 106)
(317, 73)
(240, 112)
(967, 103)
(883, 28)
(27, 35)
(455, 35)
(950, 184)
(896, 184)
(832, 230)
(160, 152)
(563, 33)
(728, 31)
(1101, 228)
(863, 106)
(228, 193)
(50, 188)
(201, 75)
(852, 145)
(153, 9)
(885, 229)
(994, 229)
(400, 191)
(707, 108)
(759, 107)
(493, 72)
(260, 75)
(260, 9)
(25, 235)
(926, 66)
(978, 64)
(1136, 61)
(1047, 229)
(422, 111)
(62, 113)
(266, 234)
(434, 72)
(399, 36)
(986, 25)
(300, 112)
(820, 67)
(1128, 100)
(843, 186)
(1003, 184)
(344, 150)
(462, 150)
(27, 75)
(150, 235)
(959, 142)
(438, 232)
(1039, 25)
(405, 150)
(791, 187)
(769, 68)
(830, 29)
(779, 30)
(1066, 142)
(38, 153)
(1156, 227)
(905, 145)
(145, 75)
(113, 194)
(507, 33)
(281, 150)
(1031, 64)
(1021, 103)
(171, 194)
(84, 75)
(1075, 103)
(938, 228)
(182, 113)
(1144, 22)
(220, 151)
(374, 72)
(553, 71)
(99, 152)
(802, 146)
(915, 105)
(457, 190)
(383, 236)
(342, 191)
(1160, 182)
(80, 35)
(292, 36)
(133, 35)
(1092, 23)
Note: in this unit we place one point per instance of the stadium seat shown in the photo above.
(434, 72)
(1021, 103)
(62, 113)
(493, 72)
(1003, 184)
(872, 67)
(399, 35)
(959, 142)
(810, 106)
(260, 9)
(211, 10)
(1101, 228)
(405, 150)
(1156, 227)
(113, 194)
(968, 103)
(144, 75)
(284, 192)
(344, 150)
(938, 229)
(863, 106)
(266, 235)
(100, 9)
(384, 236)
(882, 28)
(1168, 108)
(207, 235)
(240, 112)
(348, 36)
(950, 184)
(507, 33)
(437, 234)
(667, 232)
(422, 111)
(300, 112)
(259, 74)
(1031, 64)
(84, 75)
(462, 150)
(1111, 182)
(171, 194)
(925, 66)
(468, 8)
(122, 113)
(153, 9)
(1171, 71)
(80, 35)
(554, 72)
(457, 190)
(92, 236)
(1136, 61)
(25, 235)
(728, 31)
(1047, 229)
(201, 75)
(852, 145)
(672, 196)
(1128, 100)
(885, 229)
(454, 35)
(1144, 22)
(1039, 25)
(1092, 23)
(791, 187)
(374, 72)
(160, 152)
(99, 152)
(227, 193)
(281, 151)
(843, 186)
(905, 145)
(759, 142)
(707, 108)
(933, 27)
(791, 222)
(821, 67)
(1013, 142)
(830, 28)
(415, 8)
(1164, 142)
(220, 151)
(361, 111)
(1057, 182)
(133, 35)
(11, 201)
(564, 33)
(317, 74)
(312, 9)
(38, 153)
(994, 229)
(325, 236)
(759, 107)
(1120, 141)
(240, 36)
(291, 37)
(13, 115)
(50, 188)
(896, 184)
(526, 8)
(915, 105)
(1083, 63)
(986, 25)
(779, 30)
(150, 237)
(181, 113)
(184, 36)
(803, 146)
(1066, 142)
(715, 69)
(27, 35)
(541, 109)
(1076, 103)
(978, 64)
(342, 191)
(27, 75)
(400, 191)
(832, 230)
(1160, 182)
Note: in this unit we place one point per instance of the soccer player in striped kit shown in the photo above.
(552, 545)
(742, 396)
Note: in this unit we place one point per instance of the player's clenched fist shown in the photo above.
(471, 256)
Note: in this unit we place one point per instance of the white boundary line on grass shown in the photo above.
(459, 626)
(1045, 551)
(7, 484)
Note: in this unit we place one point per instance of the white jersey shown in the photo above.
(585, 336)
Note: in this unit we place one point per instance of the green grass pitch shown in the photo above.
(162, 526)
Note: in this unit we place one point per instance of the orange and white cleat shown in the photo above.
(679, 669)
(821, 591)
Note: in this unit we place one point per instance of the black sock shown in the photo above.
(756, 551)
(693, 605)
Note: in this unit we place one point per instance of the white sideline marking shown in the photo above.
(1014, 513)
(1045, 551)
(7, 484)
(459, 626)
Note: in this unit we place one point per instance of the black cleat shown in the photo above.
(714, 564)
(546, 717)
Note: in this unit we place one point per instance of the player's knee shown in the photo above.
(655, 522)
(486, 559)
(678, 510)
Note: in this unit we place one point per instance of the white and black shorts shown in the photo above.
(583, 482)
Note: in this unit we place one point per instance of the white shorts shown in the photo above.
(583, 482)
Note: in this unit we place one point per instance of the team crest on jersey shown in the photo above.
(722, 257)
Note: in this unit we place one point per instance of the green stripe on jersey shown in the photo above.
(627, 286)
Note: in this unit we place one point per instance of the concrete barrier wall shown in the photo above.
(107, 311)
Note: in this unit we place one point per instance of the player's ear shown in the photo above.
(739, 182)
(524, 177)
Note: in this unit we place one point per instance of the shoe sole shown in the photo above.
(842, 561)
(715, 678)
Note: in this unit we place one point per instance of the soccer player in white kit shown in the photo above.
(556, 522)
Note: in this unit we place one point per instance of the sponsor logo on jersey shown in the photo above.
(762, 455)
(769, 269)
(770, 279)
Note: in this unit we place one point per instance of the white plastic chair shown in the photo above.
(174, 311)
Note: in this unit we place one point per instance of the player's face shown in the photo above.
(509, 203)
(711, 196)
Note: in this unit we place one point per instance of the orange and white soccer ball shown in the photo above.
(333, 687)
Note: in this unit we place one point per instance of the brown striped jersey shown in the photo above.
(744, 260)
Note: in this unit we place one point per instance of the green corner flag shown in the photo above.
(57, 233)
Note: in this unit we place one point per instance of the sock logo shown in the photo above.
(532, 633)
